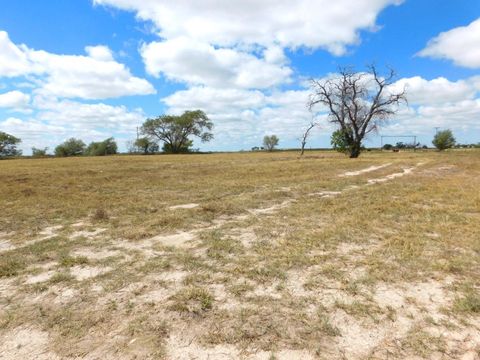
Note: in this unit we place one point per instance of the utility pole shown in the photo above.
(436, 129)
(137, 132)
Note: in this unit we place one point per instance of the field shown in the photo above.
(246, 255)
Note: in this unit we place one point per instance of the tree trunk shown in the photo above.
(355, 151)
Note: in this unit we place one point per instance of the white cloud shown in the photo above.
(14, 99)
(461, 45)
(313, 24)
(243, 117)
(96, 76)
(13, 58)
(80, 117)
(187, 60)
(215, 100)
(420, 91)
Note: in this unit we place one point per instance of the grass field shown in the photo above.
(247, 255)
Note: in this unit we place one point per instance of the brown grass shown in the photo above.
(271, 266)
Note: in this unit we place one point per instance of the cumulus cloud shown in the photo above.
(80, 117)
(95, 76)
(226, 44)
(460, 45)
(243, 117)
(13, 58)
(186, 60)
(57, 120)
(313, 24)
(437, 91)
(14, 99)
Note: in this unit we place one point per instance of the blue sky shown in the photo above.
(97, 68)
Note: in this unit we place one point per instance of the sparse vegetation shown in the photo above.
(252, 260)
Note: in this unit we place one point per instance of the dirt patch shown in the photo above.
(5, 245)
(96, 254)
(184, 206)
(87, 234)
(405, 171)
(363, 171)
(178, 239)
(42, 277)
(26, 343)
(326, 194)
(86, 272)
(271, 209)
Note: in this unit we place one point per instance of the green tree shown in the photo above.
(146, 146)
(38, 153)
(175, 131)
(339, 141)
(269, 142)
(444, 140)
(101, 148)
(71, 147)
(8, 145)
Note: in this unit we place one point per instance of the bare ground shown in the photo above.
(285, 280)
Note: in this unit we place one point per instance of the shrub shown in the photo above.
(444, 140)
(101, 148)
(71, 147)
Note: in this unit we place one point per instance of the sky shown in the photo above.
(93, 69)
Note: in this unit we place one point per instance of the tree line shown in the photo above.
(358, 104)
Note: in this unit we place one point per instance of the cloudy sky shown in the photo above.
(97, 68)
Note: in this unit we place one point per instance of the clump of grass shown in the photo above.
(60, 277)
(325, 326)
(11, 266)
(360, 309)
(100, 215)
(69, 261)
(193, 300)
(240, 289)
(422, 343)
(156, 264)
(469, 303)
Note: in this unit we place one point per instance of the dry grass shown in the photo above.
(241, 256)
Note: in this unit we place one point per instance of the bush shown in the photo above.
(38, 153)
(71, 147)
(101, 148)
(145, 146)
(444, 140)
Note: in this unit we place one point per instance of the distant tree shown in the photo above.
(387, 147)
(101, 148)
(339, 141)
(8, 145)
(269, 142)
(400, 145)
(358, 102)
(175, 131)
(38, 153)
(444, 140)
(71, 147)
(305, 135)
(146, 146)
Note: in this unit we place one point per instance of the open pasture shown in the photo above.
(245, 255)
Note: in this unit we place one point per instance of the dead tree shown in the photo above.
(358, 102)
(304, 137)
